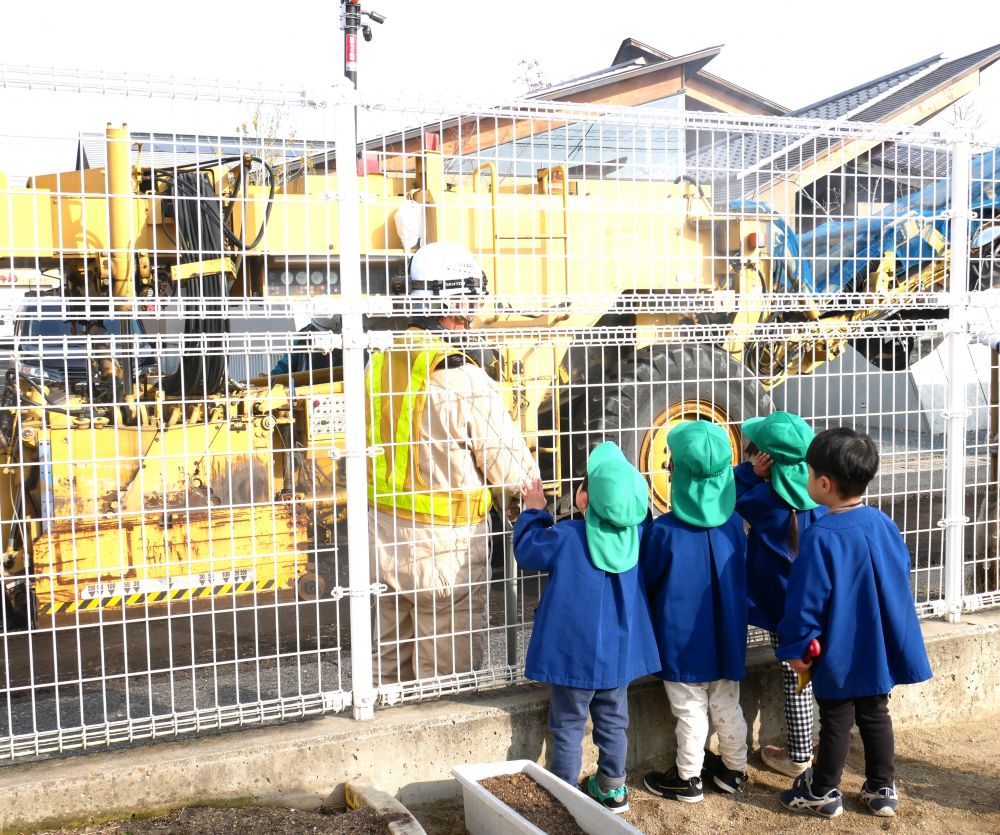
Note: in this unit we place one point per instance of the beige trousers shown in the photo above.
(431, 619)
(693, 705)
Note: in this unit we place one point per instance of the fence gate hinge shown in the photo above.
(374, 590)
(336, 701)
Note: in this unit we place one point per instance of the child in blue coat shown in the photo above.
(694, 560)
(849, 588)
(592, 634)
(771, 496)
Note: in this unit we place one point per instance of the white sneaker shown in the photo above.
(776, 758)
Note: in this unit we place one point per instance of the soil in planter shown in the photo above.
(533, 803)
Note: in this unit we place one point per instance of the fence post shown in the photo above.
(359, 574)
(956, 411)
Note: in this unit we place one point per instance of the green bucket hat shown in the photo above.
(702, 487)
(785, 437)
(617, 503)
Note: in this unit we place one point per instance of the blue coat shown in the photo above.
(850, 588)
(592, 628)
(768, 558)
(697, 583)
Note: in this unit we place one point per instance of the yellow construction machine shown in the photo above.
(124, 484)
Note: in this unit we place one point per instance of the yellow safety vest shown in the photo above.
(397, 391)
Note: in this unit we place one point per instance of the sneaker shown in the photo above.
(776, 758)
(882, 802)
(615, 800)
(670, 784)
(724, 779)
(799, 798)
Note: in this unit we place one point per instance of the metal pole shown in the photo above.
(359, 574)
(510, 583)
(990, 517)
(956, 412)
(120, 212)
(350, 21)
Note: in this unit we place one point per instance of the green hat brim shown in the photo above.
(612, 549)
(750, 428)
(789, 481)
(703, 502)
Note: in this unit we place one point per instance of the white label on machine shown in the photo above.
(326, 414)
(163, 584)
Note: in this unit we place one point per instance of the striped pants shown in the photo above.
(798, 712)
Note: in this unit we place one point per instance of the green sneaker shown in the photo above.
(615, 800)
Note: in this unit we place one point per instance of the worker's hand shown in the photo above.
(762, 463)
(533, 496)
(799, 665)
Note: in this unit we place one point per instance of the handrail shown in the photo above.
(489, 166)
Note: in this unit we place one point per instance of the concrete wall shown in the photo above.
(409, 750)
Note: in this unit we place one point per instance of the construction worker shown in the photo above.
(444, 435)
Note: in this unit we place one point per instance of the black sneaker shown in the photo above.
(615, 800)
(670, 784)
(724, 779)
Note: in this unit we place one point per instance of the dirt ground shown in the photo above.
(948, 778)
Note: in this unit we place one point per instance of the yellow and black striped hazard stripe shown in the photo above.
(154, 597)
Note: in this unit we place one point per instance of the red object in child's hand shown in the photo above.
(812, 651)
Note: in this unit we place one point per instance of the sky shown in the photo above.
(791, 53)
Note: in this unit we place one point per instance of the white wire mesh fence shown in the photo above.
(254, 470)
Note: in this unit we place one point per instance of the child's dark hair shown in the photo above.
(848, 458)
(793, 535)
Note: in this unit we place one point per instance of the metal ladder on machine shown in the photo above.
(545, 179)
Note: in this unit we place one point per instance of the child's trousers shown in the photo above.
(836, 718)
(798, 712)
(692, 705)
(567, 721)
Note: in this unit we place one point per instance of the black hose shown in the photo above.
(197, 210)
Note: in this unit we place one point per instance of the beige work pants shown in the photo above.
(431, 619)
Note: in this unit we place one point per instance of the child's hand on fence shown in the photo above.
(534, 496)
(762, 465)
(800, 665)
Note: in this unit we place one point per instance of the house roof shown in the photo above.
(878, 100)
(631, 50)
(632, 61)
(841, 104)
(628, 69)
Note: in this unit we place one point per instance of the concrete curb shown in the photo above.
(409, 750)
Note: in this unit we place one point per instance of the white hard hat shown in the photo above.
(442, 270)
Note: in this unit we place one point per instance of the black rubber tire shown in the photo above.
(623, 401)
(20, 609)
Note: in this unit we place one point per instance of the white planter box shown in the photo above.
(486, 814)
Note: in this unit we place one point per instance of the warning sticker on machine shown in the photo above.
(326, 414)
(207, 579)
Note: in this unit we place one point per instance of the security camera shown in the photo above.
(376, 17)
(366, 33)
